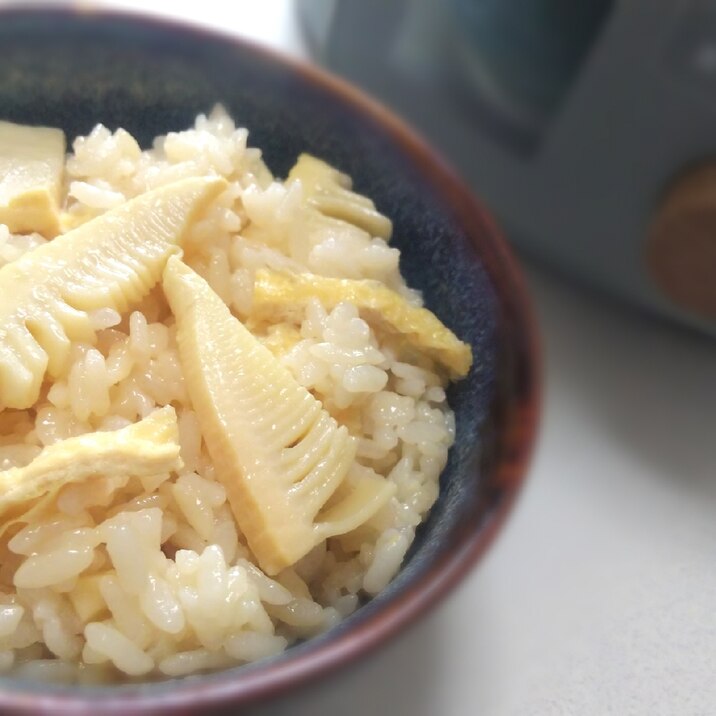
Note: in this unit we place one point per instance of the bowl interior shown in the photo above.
(73, 71)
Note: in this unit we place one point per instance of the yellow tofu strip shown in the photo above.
(329, 191)
(111, 261)
(276, 450)
(146, 448)
(278, 296)
(280, 338)
(31, 169)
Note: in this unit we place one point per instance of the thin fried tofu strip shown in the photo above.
(148, 447)
(279, 296)
(276, 450)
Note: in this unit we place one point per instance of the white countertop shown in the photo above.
(600, 595)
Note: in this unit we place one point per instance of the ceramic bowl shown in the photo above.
(73, 69)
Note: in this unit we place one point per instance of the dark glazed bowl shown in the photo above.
(74, 69)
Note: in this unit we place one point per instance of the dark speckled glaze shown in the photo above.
(75, 69)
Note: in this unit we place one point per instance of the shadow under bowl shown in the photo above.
(72, 69)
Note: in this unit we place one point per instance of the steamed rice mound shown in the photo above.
(166, 585)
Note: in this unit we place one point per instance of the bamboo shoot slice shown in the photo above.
(31, 169)
(276, 450)
(329, 191)
(111, 261)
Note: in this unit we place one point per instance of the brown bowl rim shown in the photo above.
(518, 438)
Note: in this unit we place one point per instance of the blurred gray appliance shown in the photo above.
(587, 126)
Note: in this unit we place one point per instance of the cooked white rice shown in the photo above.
(150, 577)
